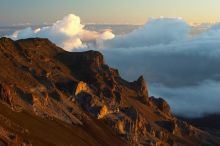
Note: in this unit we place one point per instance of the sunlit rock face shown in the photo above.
(45, 90)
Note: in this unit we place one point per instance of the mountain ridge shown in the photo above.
(84, 98)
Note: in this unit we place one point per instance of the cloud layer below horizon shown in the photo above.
(180, 67)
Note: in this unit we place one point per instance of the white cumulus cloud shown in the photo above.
(154, 32)
(67, 33)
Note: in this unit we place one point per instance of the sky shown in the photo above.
(107, 11)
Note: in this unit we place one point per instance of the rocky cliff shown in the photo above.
(52, 97)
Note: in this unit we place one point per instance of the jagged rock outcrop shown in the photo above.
(5, 94)
(103, 112)
(82, 87)
(141, 87)
(161, 104)
(63, 98)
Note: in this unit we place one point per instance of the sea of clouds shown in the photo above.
(180, 67)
